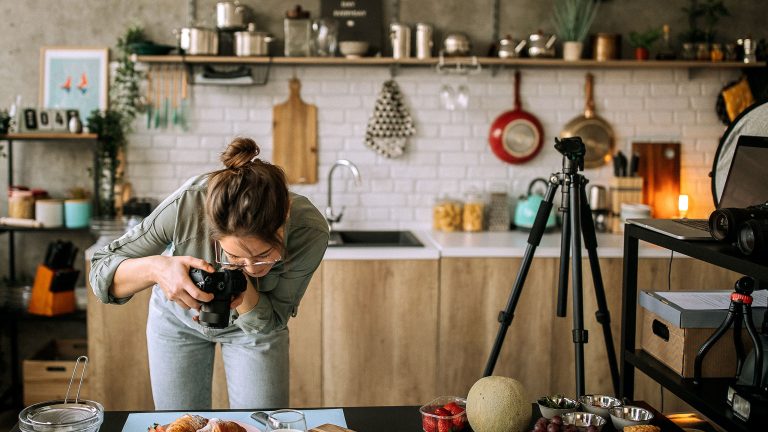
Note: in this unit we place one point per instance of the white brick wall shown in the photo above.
(450, 152)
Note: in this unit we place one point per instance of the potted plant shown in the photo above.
(642, 42)
(572, 20)
(113, 125)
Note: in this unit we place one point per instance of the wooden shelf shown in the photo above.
(448, 61)
(47, 136)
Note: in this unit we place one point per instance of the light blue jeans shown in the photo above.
(181, 354)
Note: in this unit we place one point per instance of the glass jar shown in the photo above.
(297, 28)
(446, 215)
(688, 51)
(716, 53)
(21, 204)
(702, 51)
(473, 213)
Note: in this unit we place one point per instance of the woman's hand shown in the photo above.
(172, 275)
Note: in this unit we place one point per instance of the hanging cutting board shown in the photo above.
(659, 166)
(294, 137)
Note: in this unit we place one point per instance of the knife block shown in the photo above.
(623, 190)
(53, 292)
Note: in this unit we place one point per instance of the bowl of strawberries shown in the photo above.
(444, 414)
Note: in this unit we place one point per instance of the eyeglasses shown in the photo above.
(224, 260)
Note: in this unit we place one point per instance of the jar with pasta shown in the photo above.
(474, 212)
(21, 204)
(446, 215)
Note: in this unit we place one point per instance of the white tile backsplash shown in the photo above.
(449, 153)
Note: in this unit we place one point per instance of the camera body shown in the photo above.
(747, 228)
(224, 285)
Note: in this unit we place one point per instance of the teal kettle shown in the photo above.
(528, 206)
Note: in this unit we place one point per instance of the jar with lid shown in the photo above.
(447, 214)
(702, 51)
(298, 32)
(474, 212)
(716, 53)
(21, 203)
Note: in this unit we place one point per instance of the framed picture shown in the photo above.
(74, 78)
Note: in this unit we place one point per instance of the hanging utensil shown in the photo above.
(149, 98)
(516, 136)
(596, 133)
(184, 108)
(167, 97)
(157, 97)
(175, 97)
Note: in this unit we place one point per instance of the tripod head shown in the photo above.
(573, 150)
(744, 286)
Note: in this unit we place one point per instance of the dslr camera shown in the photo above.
(224, 285)
(745, 227)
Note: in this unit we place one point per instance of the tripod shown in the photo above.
(740, 310)
(577, 221)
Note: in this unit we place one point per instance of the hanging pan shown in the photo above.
(596, 133)
(516, 136)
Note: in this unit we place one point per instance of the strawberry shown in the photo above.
(460, 420)
(444, 425)
(428, 423)
(442, 412)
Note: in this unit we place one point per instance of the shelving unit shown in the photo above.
(709, 397)
(10, 319)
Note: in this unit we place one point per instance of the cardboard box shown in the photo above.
(47, 373)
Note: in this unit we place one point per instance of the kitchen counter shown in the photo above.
(507, 244)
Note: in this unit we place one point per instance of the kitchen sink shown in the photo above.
(373, 239)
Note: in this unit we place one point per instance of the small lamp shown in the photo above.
(682, 205)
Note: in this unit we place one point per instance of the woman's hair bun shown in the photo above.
(240, 152)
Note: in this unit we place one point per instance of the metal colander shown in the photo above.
(64, 415)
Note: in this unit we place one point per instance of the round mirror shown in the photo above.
(753, 121)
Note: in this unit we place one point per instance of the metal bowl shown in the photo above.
(582, 420)
(548, 412)
(599, 404)
(629, 416)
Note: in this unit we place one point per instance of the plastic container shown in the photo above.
(431, 422)
(446, 215)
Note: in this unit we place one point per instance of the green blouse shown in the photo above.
(178, 227)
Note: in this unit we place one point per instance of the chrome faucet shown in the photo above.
(330, 216)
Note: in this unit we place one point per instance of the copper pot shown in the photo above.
(606, 46)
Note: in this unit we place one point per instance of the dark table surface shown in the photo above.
(385, 419)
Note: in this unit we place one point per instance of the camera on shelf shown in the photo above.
(224, 285)
(745, 227)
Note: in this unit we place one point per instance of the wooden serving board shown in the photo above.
(659, 166)
(294, 137)
(330, 428)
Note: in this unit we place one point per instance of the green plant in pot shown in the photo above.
(643, 41)
(115, 124)
(572, 20)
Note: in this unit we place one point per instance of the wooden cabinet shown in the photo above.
(538, 348)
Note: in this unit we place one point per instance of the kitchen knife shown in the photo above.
(633, 164)
(622, 161)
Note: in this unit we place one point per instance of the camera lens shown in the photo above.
(751, 239)
(722, 224)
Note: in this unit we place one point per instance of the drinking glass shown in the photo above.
(324, 37)
(448, 97)
(462, 96)
(286, 420)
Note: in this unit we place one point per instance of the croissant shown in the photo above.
(217, 425)
(187, 423)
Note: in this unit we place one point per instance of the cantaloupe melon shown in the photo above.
(498, 404)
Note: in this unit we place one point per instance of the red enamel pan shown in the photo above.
(516, 136)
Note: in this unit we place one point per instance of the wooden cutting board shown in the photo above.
(330, 428)
(294, 137)
(659, 166)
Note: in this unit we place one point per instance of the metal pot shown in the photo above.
(252, 42)
(231, 15)
(541, 45)
(456, 44)
(198, 40)
(511, 48)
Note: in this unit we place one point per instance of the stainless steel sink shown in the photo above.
(373, 239)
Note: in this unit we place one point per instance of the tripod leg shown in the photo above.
(565, 247)
(709, 343)
(603, 315)
(580, 336)
(534, 238)
(757, 380)
(737, 342)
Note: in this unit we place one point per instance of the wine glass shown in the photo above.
(448, 97)
(462, 97)
(286, 420)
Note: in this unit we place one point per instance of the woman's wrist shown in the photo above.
(251, 298)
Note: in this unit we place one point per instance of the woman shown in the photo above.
(239, 217)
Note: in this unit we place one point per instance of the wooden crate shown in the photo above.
(677, 347)
(47, 373)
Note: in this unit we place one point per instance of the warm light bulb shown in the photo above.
(682, 205)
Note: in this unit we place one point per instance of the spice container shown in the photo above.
(21, 204)
(446, 215)
(474, 210)
(298, 32)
